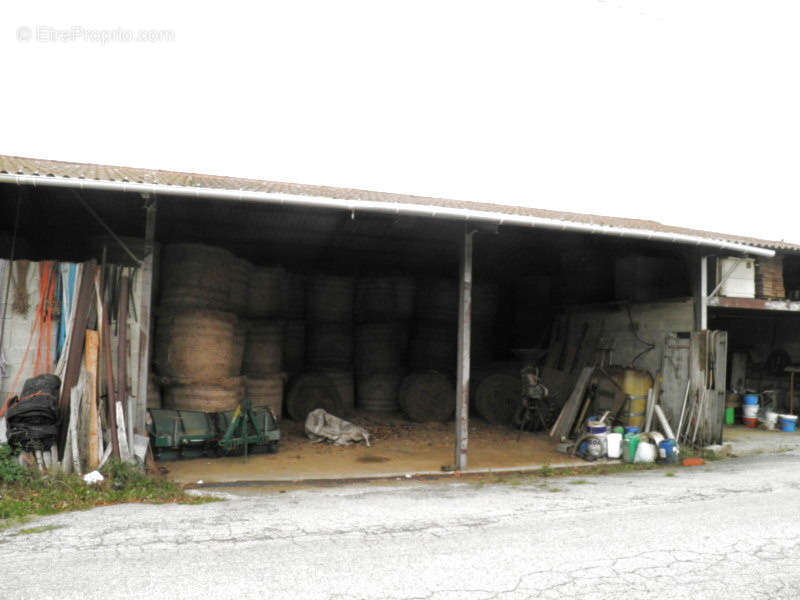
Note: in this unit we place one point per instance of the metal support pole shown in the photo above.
(463, 366)
(144, 316)
(703, 317)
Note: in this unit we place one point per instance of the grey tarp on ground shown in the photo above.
(321, 425)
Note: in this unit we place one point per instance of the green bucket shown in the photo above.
(729, 417)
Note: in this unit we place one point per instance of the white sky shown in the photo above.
(686, 112)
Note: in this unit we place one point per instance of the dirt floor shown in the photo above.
(744, 440)
(398, 447)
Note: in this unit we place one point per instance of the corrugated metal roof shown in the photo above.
(51, 168)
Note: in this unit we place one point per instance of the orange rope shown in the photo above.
(44, 315)
(22, 363)
(43, 311)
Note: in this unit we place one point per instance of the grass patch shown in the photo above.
(41, 529)
(25, 493)
(669, 474)
(554, 490)
(543, 475)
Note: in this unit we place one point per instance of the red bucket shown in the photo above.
(750, 422)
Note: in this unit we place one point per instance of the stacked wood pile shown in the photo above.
(769, 277)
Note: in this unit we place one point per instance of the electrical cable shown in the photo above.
(649, 345)
(116, 238)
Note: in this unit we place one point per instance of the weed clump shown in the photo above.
(25, 492)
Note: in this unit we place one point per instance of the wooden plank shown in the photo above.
(567, 416)
(653, 398)
(715, 409)
(108, 361)
(722, 302)
(674, 376)
(83, 305)
(91, 353)
(557, 342)
(122, 351)
(146, 273)
(74, 411)
(122, 437)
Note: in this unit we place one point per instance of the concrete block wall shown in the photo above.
(653, 320)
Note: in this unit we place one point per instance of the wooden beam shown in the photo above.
(108, 364)
(145, 310)
(569, 412)
(91, 361)
(122, 350)
(754, 304)
(464, 344)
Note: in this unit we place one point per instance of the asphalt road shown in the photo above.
(727, 530)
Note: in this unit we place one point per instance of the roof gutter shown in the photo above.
(420, 210)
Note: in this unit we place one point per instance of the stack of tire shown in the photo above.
(263, 360)
(197, 354)
(327, 381)
(383, 309)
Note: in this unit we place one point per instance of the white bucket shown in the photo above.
(645, 453)
(614, 441)
(770, 419)
(750, 411)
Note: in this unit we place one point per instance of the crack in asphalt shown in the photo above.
(454, 541)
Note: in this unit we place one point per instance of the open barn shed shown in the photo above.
(411, 317)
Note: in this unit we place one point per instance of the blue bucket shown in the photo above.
(787, 422)
(667, 451)
(750, 399)
(631, 429)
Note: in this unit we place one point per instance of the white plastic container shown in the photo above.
(750, 411)
(645, 453)
(614, 442)
(770, 419)
(741, 283)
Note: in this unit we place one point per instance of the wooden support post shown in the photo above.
(144, 318)
(464, 343)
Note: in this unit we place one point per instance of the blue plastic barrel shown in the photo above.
(750, 399)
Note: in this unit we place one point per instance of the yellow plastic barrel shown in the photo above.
(635, 384)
